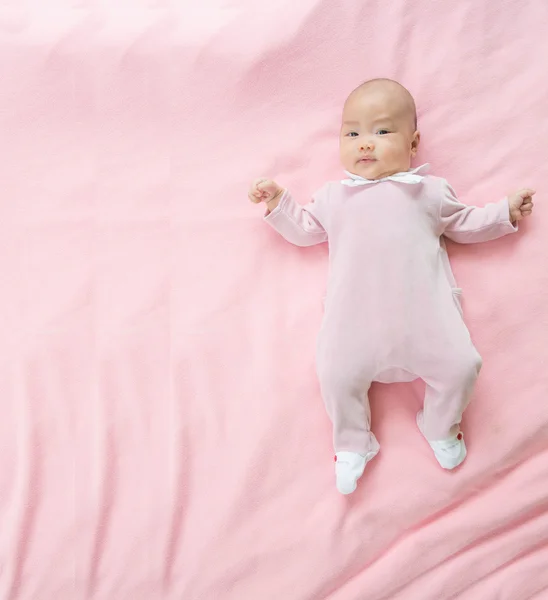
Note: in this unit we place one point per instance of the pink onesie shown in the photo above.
(392, 311)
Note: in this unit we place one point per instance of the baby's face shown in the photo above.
(378, 136)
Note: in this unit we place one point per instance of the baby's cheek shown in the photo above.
(390, 152)
(346, 158)
(398, 152)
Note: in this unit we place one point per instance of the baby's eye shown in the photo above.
(351, 134)
(382, 132)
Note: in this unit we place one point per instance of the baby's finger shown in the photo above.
(255, 189)
(255, 185)
(269, 187)
(265, 186)
(258, 183)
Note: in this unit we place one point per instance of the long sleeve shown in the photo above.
(298, 224)
(470, 224)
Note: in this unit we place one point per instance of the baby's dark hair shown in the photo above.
(408, 97)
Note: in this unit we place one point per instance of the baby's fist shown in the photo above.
(264, 190)
(521, 204)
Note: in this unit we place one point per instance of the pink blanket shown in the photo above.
(161, 433)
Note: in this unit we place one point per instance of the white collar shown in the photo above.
(410, 176)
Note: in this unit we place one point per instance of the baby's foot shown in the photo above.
(451, 452)
(349, 468)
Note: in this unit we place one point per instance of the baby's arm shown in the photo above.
(298, 224)
(470, 224)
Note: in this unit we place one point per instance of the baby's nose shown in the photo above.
(367, 145)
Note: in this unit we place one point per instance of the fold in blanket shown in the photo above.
(162, 434)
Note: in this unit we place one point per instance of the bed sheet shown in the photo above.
(162, 432)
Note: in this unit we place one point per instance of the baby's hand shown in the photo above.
(521, 204)
(264, 190)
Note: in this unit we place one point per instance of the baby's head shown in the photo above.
(379, 134)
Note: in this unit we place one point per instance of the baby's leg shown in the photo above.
(345, 378)
(450, 378)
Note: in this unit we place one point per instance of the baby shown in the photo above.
(392, 310)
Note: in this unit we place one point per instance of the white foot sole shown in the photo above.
(349, 467)
(449, 453)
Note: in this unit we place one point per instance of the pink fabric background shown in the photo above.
(161, 430)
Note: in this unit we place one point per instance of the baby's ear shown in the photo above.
(415, 141)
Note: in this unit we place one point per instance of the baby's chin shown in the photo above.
(369, 170)
(374, 170)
